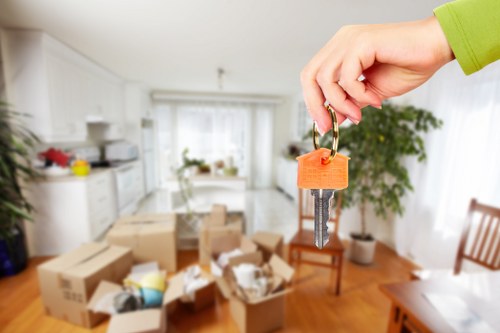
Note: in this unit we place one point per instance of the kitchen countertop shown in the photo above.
(72, 177)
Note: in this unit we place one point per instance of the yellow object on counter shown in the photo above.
(80, 168)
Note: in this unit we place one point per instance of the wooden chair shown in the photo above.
(303, 241)
(479, 243)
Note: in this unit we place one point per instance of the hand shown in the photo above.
(392, 58)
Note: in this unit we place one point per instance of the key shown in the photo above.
(322, 203)
(323, 171)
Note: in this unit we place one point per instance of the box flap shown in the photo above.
(267, 240)
(164, 221)
(103, 288)
(223, 287)
(79, 255)
(250, 258)
(225, 243)
(143, 321)
(175, 289)
(247, 246)
(281, 268)
(97, 261)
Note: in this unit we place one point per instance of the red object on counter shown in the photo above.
(57, 156)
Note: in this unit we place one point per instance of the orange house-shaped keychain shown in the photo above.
(313, 174)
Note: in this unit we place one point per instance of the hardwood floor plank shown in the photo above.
(311, 307)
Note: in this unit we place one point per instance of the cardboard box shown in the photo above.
(203, 297)
(154, 320)
(68, 281)
(143, 321)
(218, 215)
(152, 237)
(262, 314)
(209, 233)
(227, 243)
(269, 243)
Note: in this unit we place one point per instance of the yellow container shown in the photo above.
(81, 170)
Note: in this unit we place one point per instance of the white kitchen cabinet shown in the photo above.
(70, 211)
(59, 88)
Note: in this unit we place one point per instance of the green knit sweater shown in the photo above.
(472, 28)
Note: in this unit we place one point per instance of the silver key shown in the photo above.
(322, 203)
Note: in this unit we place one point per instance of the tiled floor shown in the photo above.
(266, 210)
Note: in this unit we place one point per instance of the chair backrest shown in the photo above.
(306, 209)
(480, 241)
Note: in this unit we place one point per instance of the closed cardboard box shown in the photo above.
(152, 237)
(68, 281)
(218, 215)
(209, 233)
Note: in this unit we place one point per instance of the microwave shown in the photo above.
(121, 151)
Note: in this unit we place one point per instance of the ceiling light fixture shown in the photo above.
(220, 77)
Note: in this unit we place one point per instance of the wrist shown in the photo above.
(441, 46)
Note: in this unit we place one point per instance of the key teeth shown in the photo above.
(321, 246)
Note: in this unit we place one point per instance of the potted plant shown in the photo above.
(378, 177)
(15, 170)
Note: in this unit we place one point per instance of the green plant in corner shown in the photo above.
(377, 148)
(16, 143)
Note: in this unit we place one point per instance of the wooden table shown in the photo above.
(411, 311)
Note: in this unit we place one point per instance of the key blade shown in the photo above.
(322, 204)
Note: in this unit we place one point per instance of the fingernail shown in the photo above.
(354, 121)
(377, 107)
(320, 130)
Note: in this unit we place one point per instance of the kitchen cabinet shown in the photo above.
(69, 211)
(59, 88)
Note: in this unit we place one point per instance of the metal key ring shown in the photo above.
(335, 136)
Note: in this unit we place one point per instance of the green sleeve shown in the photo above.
(472, 28)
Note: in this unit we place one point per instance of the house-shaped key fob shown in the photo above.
(313, 174)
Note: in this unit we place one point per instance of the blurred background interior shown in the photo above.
(168, 133)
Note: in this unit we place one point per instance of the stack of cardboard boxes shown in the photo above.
(73, 283)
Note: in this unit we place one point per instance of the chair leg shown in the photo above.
(290, 255)
(339, 273)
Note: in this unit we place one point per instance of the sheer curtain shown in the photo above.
(218, 131)
(463, 162)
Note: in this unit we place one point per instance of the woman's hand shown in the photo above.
(392, 58)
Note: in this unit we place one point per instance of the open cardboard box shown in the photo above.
(269, 243)
(260, 314)
(228, 243)
(152, 237)
(209, 233)
(68, 281)
(203, 297)
(154, 320)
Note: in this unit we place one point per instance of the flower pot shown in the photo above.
(362, 250)
(13, 254)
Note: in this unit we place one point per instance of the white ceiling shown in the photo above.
(178, 44)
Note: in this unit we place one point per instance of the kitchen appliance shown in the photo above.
(129, 188)
(121, 151)
(91, 153)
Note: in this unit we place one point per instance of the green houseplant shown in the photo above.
(378, 176)
(15, 170)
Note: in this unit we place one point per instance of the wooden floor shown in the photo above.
(309, 308)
